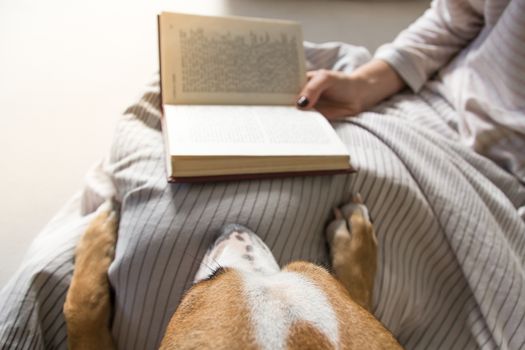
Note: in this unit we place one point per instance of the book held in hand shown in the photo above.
(228, 87)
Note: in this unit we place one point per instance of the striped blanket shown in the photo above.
(452, 243)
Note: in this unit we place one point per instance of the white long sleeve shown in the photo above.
(430, 42)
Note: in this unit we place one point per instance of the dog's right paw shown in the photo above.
(96, 248)
(87, 307)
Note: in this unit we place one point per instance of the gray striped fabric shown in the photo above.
(452, 246)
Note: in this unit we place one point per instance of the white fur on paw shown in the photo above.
(356, 205)
(341, 225)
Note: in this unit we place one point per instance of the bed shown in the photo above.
(450, 226)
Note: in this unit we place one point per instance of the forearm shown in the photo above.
(378, 81)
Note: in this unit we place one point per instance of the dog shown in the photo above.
(241, 299)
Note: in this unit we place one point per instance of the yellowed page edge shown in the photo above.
(211, 166)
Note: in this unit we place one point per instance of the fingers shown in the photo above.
(318, 81)
(328, 92)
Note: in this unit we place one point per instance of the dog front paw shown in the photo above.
(349, 220)
(87, 307)
(353, 249)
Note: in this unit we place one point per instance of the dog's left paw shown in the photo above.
(353, 249)
(350, 220)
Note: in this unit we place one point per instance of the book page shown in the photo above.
(230, 60)
(249, 131)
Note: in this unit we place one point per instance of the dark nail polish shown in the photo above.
(302, 101)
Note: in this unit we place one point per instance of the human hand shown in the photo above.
(337, 94)
(334, 94)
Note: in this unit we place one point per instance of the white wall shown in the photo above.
(68, 69)
(369, 23)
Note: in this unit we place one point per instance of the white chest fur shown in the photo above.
(277, 301)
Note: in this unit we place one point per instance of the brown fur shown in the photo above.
(223, 323)
(87, 308)
(354, 257)
(304, 336)
(358, 329)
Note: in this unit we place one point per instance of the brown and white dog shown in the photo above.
(241, 299)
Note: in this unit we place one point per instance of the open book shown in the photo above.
(229, 86)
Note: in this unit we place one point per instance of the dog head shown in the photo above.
(241, 299)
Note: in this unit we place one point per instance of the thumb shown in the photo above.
(317, 82)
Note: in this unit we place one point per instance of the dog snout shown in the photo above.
(239, 248)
